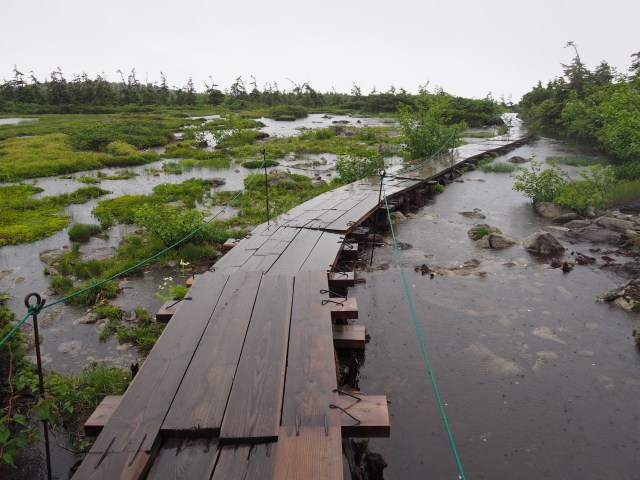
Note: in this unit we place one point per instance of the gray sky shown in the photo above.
(468, 48)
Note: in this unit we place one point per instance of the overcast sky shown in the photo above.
(468, 48)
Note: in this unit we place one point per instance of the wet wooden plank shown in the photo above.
(310, 452)
(311, 376)
(101, 415)
(265, 256)
(168, 310)
(247, 462)
(245, 249)
(136, 422)
(356, 214)
(182, 459)
(325, 252)
(255, 403)
(200, 403)
(296, 252)
(115, 465)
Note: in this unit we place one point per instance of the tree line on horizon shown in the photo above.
(599, 107)
(25, 94)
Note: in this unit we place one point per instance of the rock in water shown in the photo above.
(542, 242)
(550, 210)
(615, 224)
(517, 160)
(495, 240)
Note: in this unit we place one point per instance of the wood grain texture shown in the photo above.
(310, 453)
(349, 336)
(199, 405)
(311, 376)
(101, 415)
(137, 419)
(296, 253)
(185, 459)
(114, 466)
(247, 462)
(255, 403)
(325, 252)
(371, 411)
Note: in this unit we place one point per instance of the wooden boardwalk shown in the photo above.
(242, 383)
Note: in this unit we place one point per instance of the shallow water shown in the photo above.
(538, 378)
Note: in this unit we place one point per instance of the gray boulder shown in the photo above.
(567, 217)
(542, 242)
(615, 224)
(495, 240)
(574, 224)
(550, 210)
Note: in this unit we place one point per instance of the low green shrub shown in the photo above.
(81, 232)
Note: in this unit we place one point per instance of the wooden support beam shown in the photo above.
(346, 309)
(371, 411)
(342, 280)
(350, 250)
(190, 281)
(101, 415)
(168, 310)
(349, 336)
(229, 244)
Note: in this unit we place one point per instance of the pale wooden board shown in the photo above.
(310, 453)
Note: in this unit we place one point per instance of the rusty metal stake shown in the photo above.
(266, 181)
(34, 309)
(375, 218)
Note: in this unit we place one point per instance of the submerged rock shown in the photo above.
(496, 240)
(542, 242)
(217, 181)
(476, 213)
(517, 160)
(480, 230)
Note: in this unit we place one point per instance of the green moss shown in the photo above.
(252, 164)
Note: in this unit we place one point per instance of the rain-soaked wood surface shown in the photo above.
(250, 358)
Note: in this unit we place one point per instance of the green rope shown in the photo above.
(13, 330)
(143, 262)
(422, 345)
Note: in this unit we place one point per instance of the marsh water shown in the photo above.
(538, 378)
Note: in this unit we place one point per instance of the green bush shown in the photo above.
(540, 185)
(81, 232)
(120, 148)
(252, 164)
(287, 112)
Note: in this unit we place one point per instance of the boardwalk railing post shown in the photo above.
(34, 309)
(266, 181)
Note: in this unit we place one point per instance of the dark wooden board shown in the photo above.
(246, 248)
(101, 415)
(136, 422)
(325, 252)
(372, 413)
(185, 459)
(200, 403)
(310, 453)
(349, 336)
(296, 253)
(356, 214)
(255, 403)
(311, 370)
(120, 465)
(263, 258)
(248, 462)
